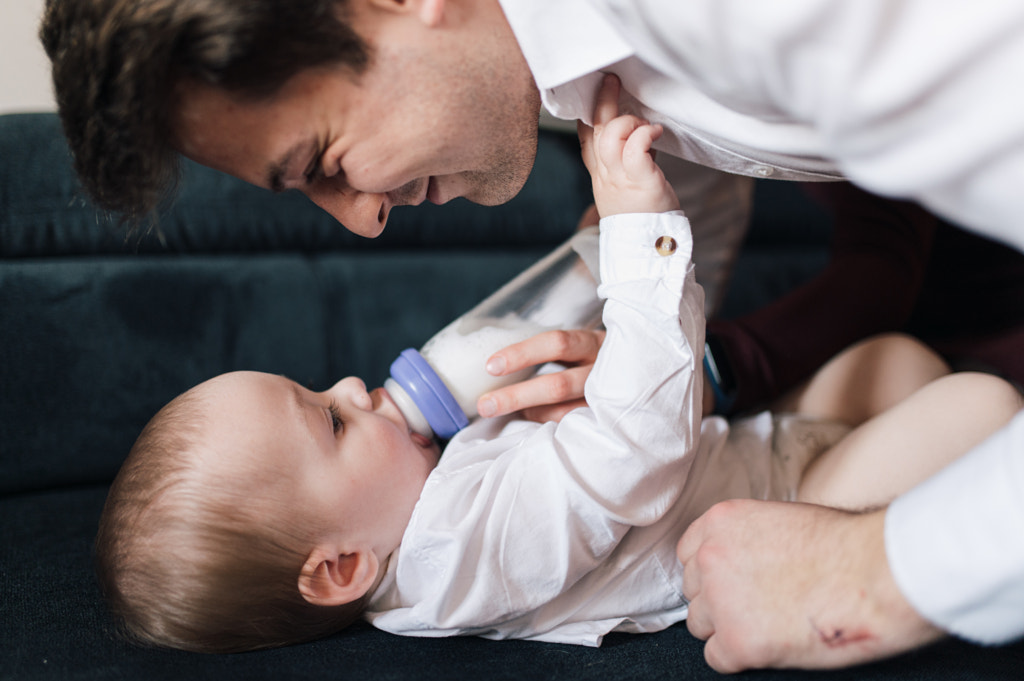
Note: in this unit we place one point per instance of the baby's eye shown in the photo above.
(335, 416)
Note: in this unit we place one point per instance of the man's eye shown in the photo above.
(314, 171)
(336, 421)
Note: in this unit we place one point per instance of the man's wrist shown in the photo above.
(890, 623)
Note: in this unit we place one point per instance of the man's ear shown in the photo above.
(430, 12)
(332, 578)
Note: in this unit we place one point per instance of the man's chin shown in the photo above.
(498, 188)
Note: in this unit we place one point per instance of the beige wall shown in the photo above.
(24, 68)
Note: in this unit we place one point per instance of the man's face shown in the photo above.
(446, 108)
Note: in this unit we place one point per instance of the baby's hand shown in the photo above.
(617, 152)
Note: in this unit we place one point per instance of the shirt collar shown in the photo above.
(563, 40)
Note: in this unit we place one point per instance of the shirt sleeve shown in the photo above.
(955, 543)
(515, 529)
(918, 103)
(909, 98)
(645, 389)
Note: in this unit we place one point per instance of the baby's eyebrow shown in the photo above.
(298, 402)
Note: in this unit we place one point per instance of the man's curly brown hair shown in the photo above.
(117, 64)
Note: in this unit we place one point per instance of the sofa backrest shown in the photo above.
(99, 330)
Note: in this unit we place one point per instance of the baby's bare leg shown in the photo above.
(909, 442)
(865, 380)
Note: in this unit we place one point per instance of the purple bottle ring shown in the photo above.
(429, 393)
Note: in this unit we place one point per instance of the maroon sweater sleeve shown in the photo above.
(879, 255)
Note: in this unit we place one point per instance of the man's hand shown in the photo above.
(547, 397)
(774, 584)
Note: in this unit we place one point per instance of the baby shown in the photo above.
(253, 512)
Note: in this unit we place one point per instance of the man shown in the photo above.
(404, 101)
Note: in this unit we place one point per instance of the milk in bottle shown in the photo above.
(437, 387)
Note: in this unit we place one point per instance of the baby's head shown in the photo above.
(252, 512)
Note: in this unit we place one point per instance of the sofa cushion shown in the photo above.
(91, 347)
(97, 332)
(53, 625)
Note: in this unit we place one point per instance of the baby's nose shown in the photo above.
(354, 389)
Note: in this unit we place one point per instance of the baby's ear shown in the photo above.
(330, 577)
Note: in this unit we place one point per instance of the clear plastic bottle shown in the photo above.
(437, 387)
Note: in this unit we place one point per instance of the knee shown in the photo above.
(987, 393)
(905, 355)
(890, 368)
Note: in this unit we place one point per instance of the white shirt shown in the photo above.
(565, 532)
(917, 99)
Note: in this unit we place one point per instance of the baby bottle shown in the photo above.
(437, 387)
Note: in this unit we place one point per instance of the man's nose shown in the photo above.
(358, 212)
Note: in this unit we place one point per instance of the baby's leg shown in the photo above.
(865, 380)
(908, 443)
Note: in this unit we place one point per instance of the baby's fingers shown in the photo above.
(606, 107)
(586, 135)
(610, 139)
(637, 154)
(566, 346)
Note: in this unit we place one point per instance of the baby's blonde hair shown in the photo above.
(204, 565)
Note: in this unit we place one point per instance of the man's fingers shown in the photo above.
(549, 396)
(691, 540)
(566, 346)
(698, 621)
(691, 581)
(607, 107)
(717, 658)
(545, 390)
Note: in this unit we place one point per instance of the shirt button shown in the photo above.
(665, 245)
(764, 171)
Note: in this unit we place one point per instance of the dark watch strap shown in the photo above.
(720, 376)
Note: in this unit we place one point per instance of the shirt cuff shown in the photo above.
(645, 246)
(955, 543)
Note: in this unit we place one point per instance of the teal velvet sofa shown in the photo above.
(99, 329)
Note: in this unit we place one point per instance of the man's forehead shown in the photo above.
(256, 139)
(198, 108)
(216, 129)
